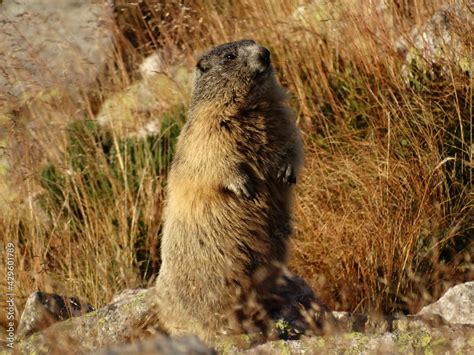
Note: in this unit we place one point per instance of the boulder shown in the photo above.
(44, 309)
(455, 306)
(50, 52)
(132, 316)
(324, 20)
(47, 44)
(436, 341)
(136, 110)
(114, 323)
(444, 40)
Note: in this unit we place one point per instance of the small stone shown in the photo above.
(408, 323)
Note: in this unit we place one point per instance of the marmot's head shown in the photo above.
(232, 72)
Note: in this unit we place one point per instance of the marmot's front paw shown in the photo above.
(243, 189)
(287, 174)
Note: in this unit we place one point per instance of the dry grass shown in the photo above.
(384, 207)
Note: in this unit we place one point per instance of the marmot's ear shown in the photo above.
(203, 64)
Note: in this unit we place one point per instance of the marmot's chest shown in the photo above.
(255, 135)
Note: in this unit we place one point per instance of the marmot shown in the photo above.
(227, 217)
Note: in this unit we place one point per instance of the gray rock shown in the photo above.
(324, 20)
(442, 41)
(134, 111)
(380, 324)
(44, 309)
(50, 52)
(45, 44)
(112, 324)
(127, 294)
(162, 345)
(125, 319)
(455, 306)
(152, 65)
(447, 340)
(373, 324)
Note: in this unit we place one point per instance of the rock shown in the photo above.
(374, 324)
(122, 321)
(50, 52)
(62, 43)
(380, 324)
(127, 294)
(434, 341)
(135, 110)
(162, 345)
(446, 38)
(455, 306)
(44, 309)
(362, 334)
(151, 65)
(326, 20)
(113, 324)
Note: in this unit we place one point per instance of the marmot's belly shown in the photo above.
(212, 244)
(221, 223)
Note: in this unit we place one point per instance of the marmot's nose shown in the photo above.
(264, 56)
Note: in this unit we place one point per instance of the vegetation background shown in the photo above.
(384, 209)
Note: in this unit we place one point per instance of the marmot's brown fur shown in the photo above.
(227, 217)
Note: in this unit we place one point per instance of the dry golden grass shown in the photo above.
(383, 214)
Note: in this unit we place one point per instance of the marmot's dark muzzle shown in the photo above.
(264, 56)
(261, 60)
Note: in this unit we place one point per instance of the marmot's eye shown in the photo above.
(230, 56)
